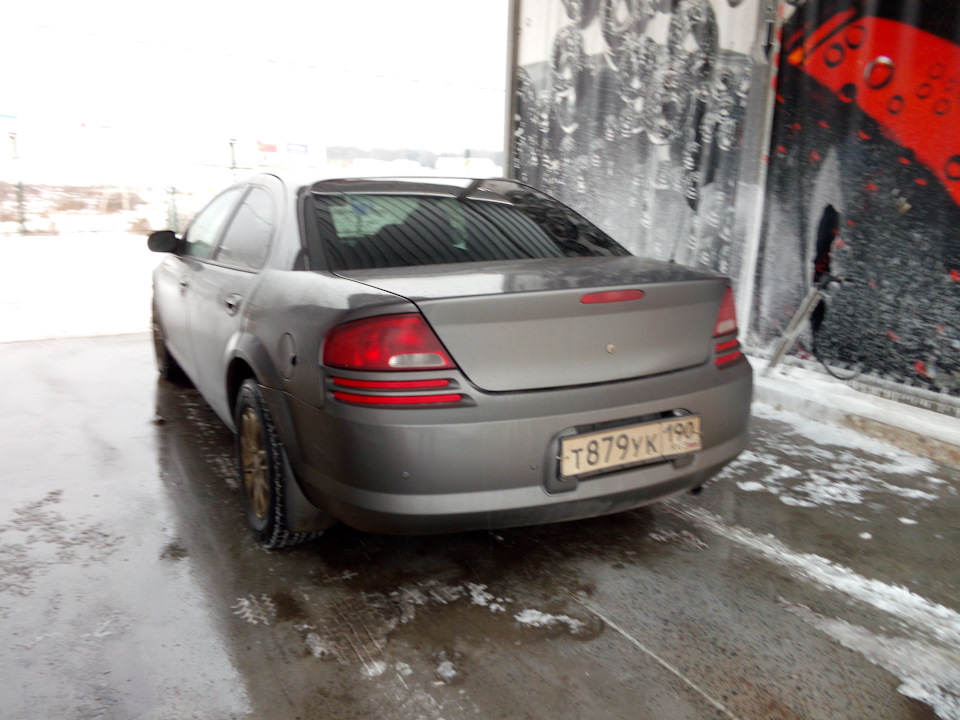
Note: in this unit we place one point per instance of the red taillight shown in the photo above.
(386, 342)
(382, 392)
(727, 351)
(609, 296)
(397, 399)
(390, 384)
(389, 343)
(727, 317)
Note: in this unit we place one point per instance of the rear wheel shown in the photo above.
(260, 457)
(168, 368)
(838, 370)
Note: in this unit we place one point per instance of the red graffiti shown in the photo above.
(820, 36)
(955, 275)
(896, 74)
(795, 37)
(815, 156)
(893, 336)
(921, 369)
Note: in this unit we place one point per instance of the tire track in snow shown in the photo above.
(932, 619)
(927, 673)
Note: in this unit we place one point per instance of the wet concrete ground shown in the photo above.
(817, 578)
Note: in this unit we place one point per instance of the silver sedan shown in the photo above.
(427, 355)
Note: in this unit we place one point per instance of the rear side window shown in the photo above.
(203, 231)
(361, 231)
(247, 239)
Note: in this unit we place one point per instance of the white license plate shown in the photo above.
(629, 445)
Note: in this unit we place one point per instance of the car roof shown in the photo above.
(342, 180)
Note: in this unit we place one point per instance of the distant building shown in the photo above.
(470, 167)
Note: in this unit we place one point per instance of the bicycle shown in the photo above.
(818, 293)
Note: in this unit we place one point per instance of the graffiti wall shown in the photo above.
(648, 117)
(864, 181)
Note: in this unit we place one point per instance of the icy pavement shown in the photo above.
(815, 578)
(862, 520)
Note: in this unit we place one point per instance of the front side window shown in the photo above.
(369, 230)
(247, 239)
(202, 234)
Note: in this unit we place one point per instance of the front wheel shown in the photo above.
(260, 457)
(167, 366)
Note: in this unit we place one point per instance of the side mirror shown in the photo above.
(165, 241)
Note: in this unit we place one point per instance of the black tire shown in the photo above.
(260, 461)
(834, 369)
(168, 368)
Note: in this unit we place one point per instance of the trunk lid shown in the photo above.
(521, 325)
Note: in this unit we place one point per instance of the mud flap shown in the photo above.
(302, 516)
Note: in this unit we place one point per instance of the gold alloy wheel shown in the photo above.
(253, 462)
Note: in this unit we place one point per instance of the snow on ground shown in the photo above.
(928, 673)
(536, 618)
(828, 435)
(81, 284)
(817, 396)
(939, 623)
(855, 464)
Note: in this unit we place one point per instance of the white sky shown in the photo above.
(189, 74)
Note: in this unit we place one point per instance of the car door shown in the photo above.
(223, 286)
(174, 276)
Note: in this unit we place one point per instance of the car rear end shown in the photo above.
(504, 391)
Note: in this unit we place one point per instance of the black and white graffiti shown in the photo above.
(635, 112)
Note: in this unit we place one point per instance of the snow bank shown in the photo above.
(817, 396)
(74, 285)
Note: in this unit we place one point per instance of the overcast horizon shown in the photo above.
(109, 87)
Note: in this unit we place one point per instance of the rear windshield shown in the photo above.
(368, 230)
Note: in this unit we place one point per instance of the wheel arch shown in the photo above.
(249, 359)
(238, 371)
(245, 357)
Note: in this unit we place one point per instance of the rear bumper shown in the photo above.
(493, 464)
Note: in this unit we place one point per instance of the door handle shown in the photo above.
(233, 303)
